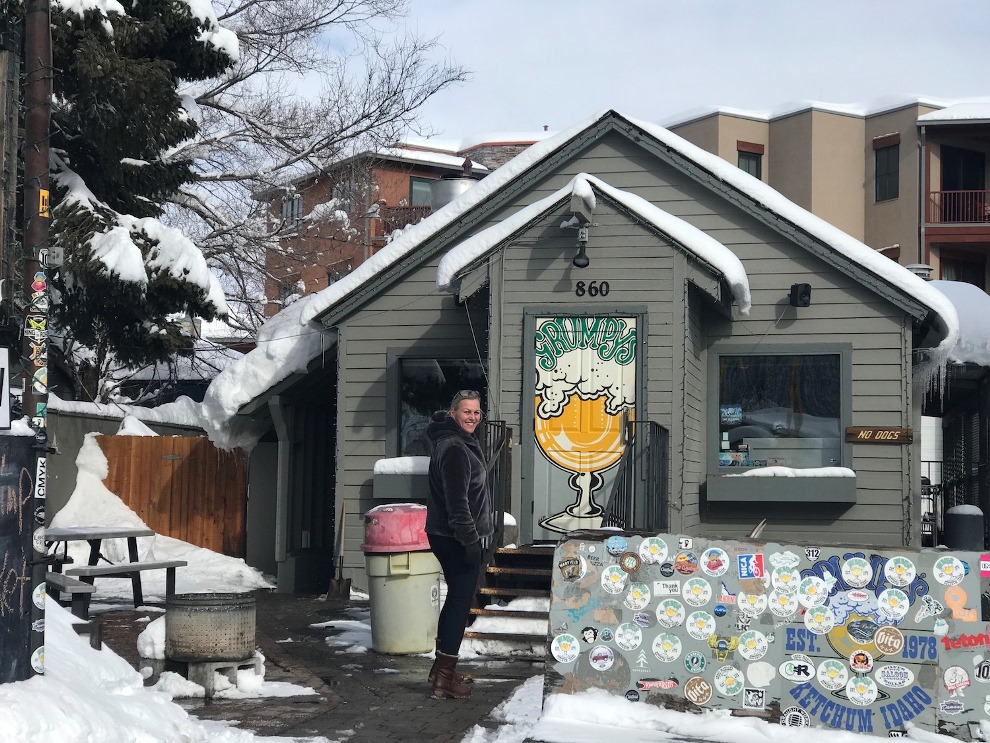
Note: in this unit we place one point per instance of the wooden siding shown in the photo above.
(182, 487)
(534, 269)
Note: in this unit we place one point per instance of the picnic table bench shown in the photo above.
(74, 580)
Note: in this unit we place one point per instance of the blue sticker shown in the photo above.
(719, 610)
(616, 545)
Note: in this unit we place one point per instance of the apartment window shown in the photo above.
(292, 211)
(779, 410)
(420, 193)
(750, 158)
(965, 267)
(887, 172)
(426, 385)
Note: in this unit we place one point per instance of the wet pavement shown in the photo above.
(360, 697)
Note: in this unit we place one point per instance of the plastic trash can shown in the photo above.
(403, 579)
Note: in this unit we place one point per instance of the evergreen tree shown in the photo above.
(117, 115)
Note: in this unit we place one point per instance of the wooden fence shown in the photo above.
(183, 487)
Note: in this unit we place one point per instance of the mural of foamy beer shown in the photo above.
(585, 390)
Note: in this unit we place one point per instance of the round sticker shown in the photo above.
(857, 572)
(949, 571)
(753, 645)
(653, 550)
(632, 695)
(38, 660)
(812, 591)
(729, 680)
(819, 620)
(861, 661)
(697, 591)
(782, 604)
(714, 562)
(573, 568)
(760, 673)
(899, 571)
(955, 678)
(637, 597)
(861, 691)
(752, 604)
(629, 561)
(667, 647)
(628, 636)
(614, 579)
(720, 610)
(695, 662)
(785, 579)
(888, 640)
(565, 648)
(832, 675)
(701, 625)
(670, 613)
(686, 563)
(894, 676)
(606, 635)
(38, 540)
(698, 690)
(892, 603)
(601, 657)
(38, 596)
(795, 717)
(616, 545)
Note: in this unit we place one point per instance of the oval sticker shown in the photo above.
(894, 676)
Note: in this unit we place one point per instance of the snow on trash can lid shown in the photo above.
(395, 527)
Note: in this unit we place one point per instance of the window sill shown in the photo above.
(826, 489)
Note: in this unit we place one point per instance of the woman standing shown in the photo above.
(459, 528)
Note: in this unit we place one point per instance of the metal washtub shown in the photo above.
(203, 627)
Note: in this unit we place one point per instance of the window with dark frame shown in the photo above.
(292, 211)
(779, 410)
(427, 385)
(887, 172)
(752, 163)
(420, 191)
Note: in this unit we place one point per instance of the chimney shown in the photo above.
(920, 269)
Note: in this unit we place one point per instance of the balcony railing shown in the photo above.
(397, 217)
(954, 207)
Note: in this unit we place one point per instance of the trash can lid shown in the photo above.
(395, 527)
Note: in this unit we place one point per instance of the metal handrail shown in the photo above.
(619, 508)
(651, 514)
(496, 444)
(958, 206)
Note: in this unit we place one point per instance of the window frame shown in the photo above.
(292, 212)
(414, 179)
(750, 157)
(721, 486)
(886, 176)
(393, 381)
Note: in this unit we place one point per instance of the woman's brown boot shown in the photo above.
(461, 678)
(445, 685)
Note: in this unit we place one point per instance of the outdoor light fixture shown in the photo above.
(800, 295)
(581, 259)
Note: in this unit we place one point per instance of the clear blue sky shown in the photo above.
(539, 62)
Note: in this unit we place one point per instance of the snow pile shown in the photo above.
(131, 426)
(402, 466)
(791, 472)
(973, 308)
(92, 504)
(354, 635)
(94, 695)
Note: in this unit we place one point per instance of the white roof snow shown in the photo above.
(973, 308)
(959, 112)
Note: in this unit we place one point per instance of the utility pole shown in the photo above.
(34, 347)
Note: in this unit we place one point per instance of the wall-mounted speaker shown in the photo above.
(800, 295)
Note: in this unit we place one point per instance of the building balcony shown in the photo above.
(958, 207)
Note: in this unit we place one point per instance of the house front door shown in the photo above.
(585, 391)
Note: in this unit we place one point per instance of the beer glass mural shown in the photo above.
(585, 389)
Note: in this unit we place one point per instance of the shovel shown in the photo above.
(340, 587)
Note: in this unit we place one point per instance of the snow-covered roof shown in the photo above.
(427, 157)
(206, 362)
(291, 339)
(474, 140)
(959, 113)
(872, 107)
(973, 308)
(693, 239)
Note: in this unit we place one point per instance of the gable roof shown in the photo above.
(291, 340)
(685, 235)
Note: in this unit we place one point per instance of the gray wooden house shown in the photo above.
(672, 344)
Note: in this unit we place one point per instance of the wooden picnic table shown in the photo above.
(132, 569)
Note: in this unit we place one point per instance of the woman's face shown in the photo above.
(467, 414)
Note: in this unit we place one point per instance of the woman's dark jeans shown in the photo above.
(462, 582)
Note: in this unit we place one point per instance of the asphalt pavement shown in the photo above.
(360, 697)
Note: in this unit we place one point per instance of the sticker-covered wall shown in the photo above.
(851, 638)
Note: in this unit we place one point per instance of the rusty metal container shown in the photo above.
(203, 627)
